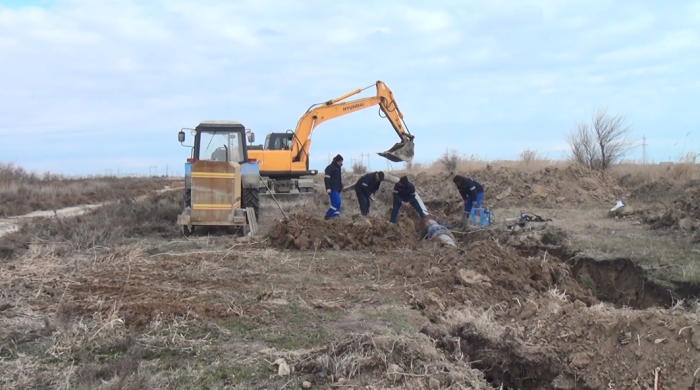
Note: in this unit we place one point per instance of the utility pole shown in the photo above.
(166, 170)
(363, 160)
(644, 149)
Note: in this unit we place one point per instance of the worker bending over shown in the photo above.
(366, 187)
(405, 194)
(471, 192)
(333, 180)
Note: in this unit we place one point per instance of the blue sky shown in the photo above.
(87, 86)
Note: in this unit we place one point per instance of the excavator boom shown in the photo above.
(317, 114)
(284, 159)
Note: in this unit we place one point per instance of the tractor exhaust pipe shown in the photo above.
(429, 223)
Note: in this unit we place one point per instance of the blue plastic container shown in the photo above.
(480, 216)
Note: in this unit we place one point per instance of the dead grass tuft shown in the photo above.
(402, 358)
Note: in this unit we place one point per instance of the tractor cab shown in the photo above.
(221, 185)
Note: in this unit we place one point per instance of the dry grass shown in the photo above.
(22, 192)
(108, 226)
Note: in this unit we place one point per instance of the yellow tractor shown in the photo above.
(221, 183)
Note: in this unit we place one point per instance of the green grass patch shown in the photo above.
(398, 320)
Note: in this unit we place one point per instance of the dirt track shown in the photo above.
(11, 224)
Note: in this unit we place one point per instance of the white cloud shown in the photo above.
(85, 72)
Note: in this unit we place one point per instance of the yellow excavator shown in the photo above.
(284, 158)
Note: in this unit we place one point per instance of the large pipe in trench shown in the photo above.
(429, 223)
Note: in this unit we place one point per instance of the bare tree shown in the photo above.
(601, 144)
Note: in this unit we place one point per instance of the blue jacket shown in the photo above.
(333, 178)
(368, 184)
(469, 187)
(406, 193)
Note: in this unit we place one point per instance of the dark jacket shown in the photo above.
(368, 184)
(469, 187)
(333, 178)
(406, 193)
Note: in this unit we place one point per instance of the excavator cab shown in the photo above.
(221, 184)
(279, 141)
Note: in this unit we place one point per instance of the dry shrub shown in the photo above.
(107, 226)
(529, 156)
(450, 160)
(358, 168)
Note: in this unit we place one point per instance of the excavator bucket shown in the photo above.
(401, 151)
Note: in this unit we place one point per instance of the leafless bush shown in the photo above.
(450, 160)
(529, 155)
(359, 168)
(601, 144)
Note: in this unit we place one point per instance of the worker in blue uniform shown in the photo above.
(471, 191)
(333, 180)
(405, 194)
(366, 187)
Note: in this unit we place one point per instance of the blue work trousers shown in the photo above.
(397, 206)
(470, 200)
(334, 210)
(363, 200)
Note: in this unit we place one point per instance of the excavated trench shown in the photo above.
(619, 280)
(511, 363)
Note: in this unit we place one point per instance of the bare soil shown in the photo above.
(350, 303)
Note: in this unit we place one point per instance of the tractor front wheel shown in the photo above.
(251, 198)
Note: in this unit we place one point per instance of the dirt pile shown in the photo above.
(682, 213)
(572, 185)
(303, 231)
(547, 187)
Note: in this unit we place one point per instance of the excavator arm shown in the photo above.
(319, 113)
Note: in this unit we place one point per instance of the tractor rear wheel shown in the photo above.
(187, 198)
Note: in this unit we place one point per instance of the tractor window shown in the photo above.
(213, 145)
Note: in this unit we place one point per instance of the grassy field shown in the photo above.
(22, 192)
(117, 298)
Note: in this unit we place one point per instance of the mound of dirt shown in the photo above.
(304, 232)
(547, 187)
(683, 213)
